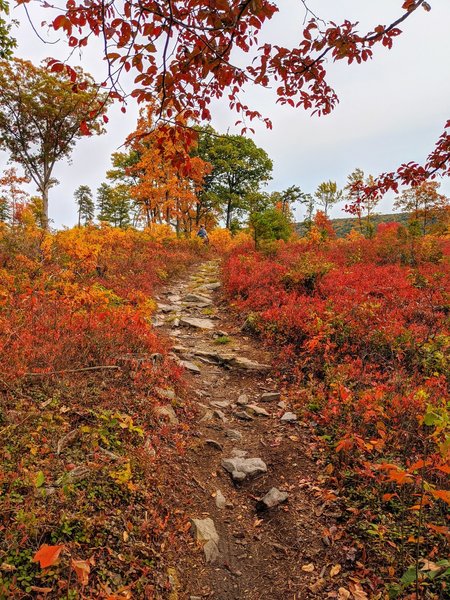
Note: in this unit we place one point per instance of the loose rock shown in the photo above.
(271, 499)
(212, 286)
(236, 453)
(233, 434)
(220, 403)
(241, 414)
(220, 500)
(261, 412)
(215, 444)
(240, 362)
(190, 366)
(197, 299)
(241, 468)
(242, 400)
(220, 415)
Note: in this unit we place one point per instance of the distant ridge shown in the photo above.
(345, 225)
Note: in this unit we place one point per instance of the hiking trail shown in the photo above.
(244, 439)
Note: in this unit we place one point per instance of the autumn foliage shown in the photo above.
(168, 178)
(83, 373)
(361, 330)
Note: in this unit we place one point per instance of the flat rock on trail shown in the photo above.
(260, 552)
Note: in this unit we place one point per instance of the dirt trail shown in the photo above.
(261, 554)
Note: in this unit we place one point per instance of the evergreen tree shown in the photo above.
(85, 202)
(114, 205)
(5, 210)
(104, 192)
(120, 206)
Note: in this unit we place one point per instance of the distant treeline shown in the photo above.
(343, 226)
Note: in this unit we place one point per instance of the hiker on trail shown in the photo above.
(202, 234)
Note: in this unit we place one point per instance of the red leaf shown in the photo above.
(47, 555)
(62, 22)
(84, 128)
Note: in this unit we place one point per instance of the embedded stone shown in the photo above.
(289, 417)
(270, 397)
(167, 413)
(205, 531)
(197, 323)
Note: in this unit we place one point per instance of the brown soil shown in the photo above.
(261, 554)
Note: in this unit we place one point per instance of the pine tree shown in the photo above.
(85, 202)
(104, 192)
(114, 205)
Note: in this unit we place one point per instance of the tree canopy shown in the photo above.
(187, 53)
(43, 114)
(239, 167)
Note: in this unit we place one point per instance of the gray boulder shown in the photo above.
(241, 468)
(271, 499)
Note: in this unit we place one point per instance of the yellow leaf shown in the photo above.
(335, 570)
(309, 568)
(123, 474)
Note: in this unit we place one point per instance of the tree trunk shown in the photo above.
(44, 193)
(229, 211)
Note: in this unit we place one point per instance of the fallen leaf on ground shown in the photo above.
(358, 592)
(82, 569)
(335, 570)
(343, 594)
(317, 585)
(309, 568)
(47, 555)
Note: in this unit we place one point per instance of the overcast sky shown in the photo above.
(391, 110)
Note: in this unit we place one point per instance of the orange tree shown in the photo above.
(43, 114)
(187, 53)
(167, 178)
(425, 205)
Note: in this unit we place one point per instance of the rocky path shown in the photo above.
(261, 528)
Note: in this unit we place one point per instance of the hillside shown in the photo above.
(345, 225)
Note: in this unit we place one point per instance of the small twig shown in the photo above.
(35, 30)
(96, 368)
